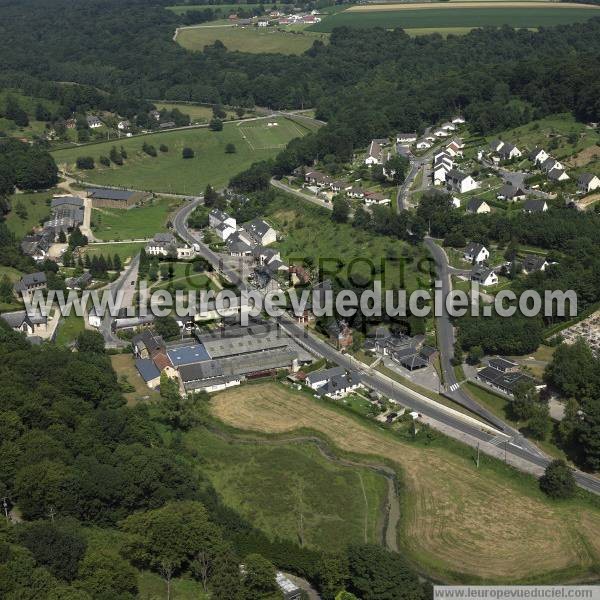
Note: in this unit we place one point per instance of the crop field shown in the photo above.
(169, 172)
(463, 15)
(136, 223)
(256, 40)
(459, 522)
(290, 490)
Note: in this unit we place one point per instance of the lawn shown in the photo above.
(256, 40)
(169, 172)
(458, 14)
(457, 522)
(311, 237)
(37, 206)
(136, 223)
(291, 490)
(127, 373)
(124, 250)
(68, 329)
(197, 113)
(184, 278)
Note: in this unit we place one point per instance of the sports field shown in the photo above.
(256, 40)
(169, 172)
(459, 522)
(458, 15)
(290, 490)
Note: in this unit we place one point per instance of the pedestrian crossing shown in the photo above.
(454, 387)
(496, 441)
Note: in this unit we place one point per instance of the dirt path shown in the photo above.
(390, 512)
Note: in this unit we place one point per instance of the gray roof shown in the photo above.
(17, 318)
(30, 280)
(109, 194)
(257, 227)
(501, 364)
(508, 190)
(147, 369)
(533, 263)
(481, 273)
(456, 175)
(324, 375)
(247, 344)
(66, 200)
(474, 204)
(506, 381)
(164, 238)
(339, 382)
(218, 214)
(534, 205)
(200, 371)
(474, 248)
(555, 173)
(586, 178)
(152, 342)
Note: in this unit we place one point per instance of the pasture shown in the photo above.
(168, 171)
(125, 250)
(256, 40)
(429, 17)
(458, 522)
(136, 223)
(197, 113)
(290, 490)
(37, 209)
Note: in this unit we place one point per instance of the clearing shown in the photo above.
(293, 39)
(169, 172)
(441, 17)
(37, 209)
(133, 224)
(289, 489)
(491, 524)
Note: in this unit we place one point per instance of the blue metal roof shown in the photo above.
(147, 369)
(187, 355)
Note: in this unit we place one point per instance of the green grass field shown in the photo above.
(136, 223)
(308, 232)
(449, 17)
(68, 329)
(169, 172)
(37, 206)
(198, 114)
(260, 40)
(292, 491)
(125, 250)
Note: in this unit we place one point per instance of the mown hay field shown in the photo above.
(458, 523)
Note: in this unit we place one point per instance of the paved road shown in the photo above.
(416, 163)
(126, 282)
(447, 419)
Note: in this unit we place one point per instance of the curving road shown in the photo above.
(472, 432)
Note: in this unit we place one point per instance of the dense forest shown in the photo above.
(75, 457)
(365, 83)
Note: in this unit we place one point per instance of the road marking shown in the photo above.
(497, 440)
(454, 387)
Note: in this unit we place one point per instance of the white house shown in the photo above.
(440, 133)
(551, 163)
(216, 216)
(484, 276)
(406, 138)
(224, 230)
(534, 205)
(476, 253)
(260, 231)
(477, 206)
(355, 192)
(376, 198)
(456, 202)
(123, 125)
(588, 182)
(460, 182)
(532, 263)
(439, 173)
(509, 151)
(424, 145)
(93, 122)
(334, 383)
(375, 153)
(447, 126)
(496, 145)
(538, 155)
(458, 120)
(510, 193)
(557, 174)
(95, 316)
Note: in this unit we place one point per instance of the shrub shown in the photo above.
(85, 162)
(163, 148)
(149, 149)
(187, 153)
(105, 161)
